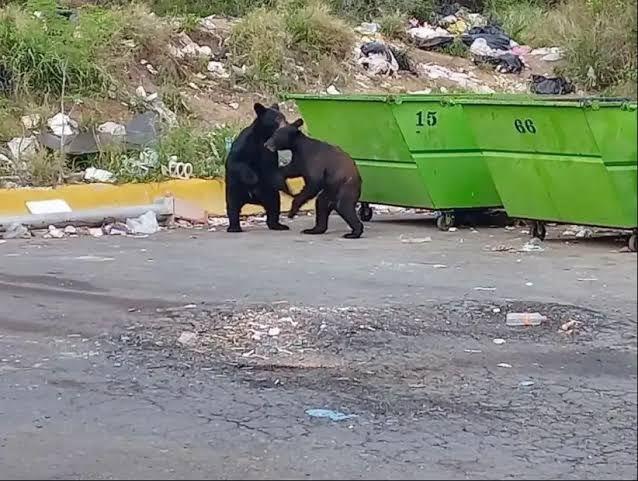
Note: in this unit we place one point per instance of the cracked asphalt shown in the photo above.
(395, 328)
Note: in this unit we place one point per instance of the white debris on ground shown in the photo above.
(465, 80)
(62, 125)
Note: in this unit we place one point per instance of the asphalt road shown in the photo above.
(395, 329)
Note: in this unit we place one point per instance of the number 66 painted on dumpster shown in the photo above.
(525, 126)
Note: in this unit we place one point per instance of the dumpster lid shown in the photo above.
(507, 99)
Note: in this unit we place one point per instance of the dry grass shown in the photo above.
(304, 40)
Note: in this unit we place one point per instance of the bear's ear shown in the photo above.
(259, 109)
(275, 106)
(297, 123)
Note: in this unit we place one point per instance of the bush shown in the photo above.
(312, 29)
(300, 30)
(393, 24)
(45, 52)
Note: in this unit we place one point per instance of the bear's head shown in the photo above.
(268, 119)
(284, 137)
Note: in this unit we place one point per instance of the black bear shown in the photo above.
(326, 170)
(252, 171)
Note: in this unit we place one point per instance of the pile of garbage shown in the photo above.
(487, 42)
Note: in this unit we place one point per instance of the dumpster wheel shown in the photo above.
(632, 242)
(538, 230)
(445, 221)
(365, 212)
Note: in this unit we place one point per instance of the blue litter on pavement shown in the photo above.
(330, 414)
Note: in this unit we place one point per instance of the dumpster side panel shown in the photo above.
(451, 164)
(615, 132)
(367, 130)
(556, 171)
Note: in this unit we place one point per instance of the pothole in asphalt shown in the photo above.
(390, 359)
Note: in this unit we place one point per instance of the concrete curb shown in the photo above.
(206, 194)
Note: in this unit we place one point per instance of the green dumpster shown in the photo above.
(411, 150)
(563, 161)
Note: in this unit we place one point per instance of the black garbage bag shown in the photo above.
(448, 8)
(497, 42)
(506, 63)
(494, 35)
(542, 85)
(488, 30)
(402, 58)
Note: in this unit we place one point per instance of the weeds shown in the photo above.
(393, 24)
(297, 30)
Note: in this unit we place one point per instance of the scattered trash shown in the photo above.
(493, 35)
(526, 383)
(584, 233)
(427, 37)
(505, 63)
(16, 231)
(452, 229)
(465, 80)
(485, 288)
(499, 341)
(208, 23)
(496, 310)
(549, 54)
(502, 248)
(378, 59)
(532, 245)
(55, 233)
(417, 240)
(368, 28)
(504, 365)
(31, 121)
(96, 232)
(62, 125)
(529, 284)
(329, 414)
(184, 47)
(217, 69)
(570, 326)
(472, 351)
(116, 228)
(187, 338)
(144, 224)
(480, 48)
(525, 319)
(93, 174)
(112, 128)
(178, 170)
(542, 85)
(52, 206)
(22, 147)
(332, 90)
(70, 230)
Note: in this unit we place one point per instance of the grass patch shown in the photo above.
(300, 33)
(393, 24)
(456, 49)
(598, 36)
(204, 149)
(47, 53)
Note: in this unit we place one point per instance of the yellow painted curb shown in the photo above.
(207, 194)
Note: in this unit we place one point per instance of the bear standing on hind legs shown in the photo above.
(327, 171)
(252, 171)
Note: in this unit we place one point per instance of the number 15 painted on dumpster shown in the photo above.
(430, 119)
